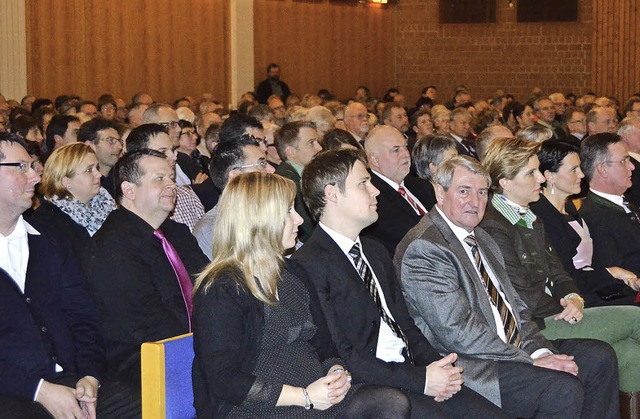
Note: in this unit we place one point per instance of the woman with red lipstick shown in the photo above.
(533, 265)
(569, 234)
(262, 347)
(74, 204)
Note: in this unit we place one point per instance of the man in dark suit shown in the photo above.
(613, 222)
(629, 132)
(459, 294)
(51, 358)
(272, 85)
(459, 130)
(297, 144)
(402, 201)
(142, 263)
(545, 110)
(372, 330)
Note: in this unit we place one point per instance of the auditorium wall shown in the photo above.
(504, 55)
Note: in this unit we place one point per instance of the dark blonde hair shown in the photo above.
(248, 233)
(63, 162)
(504, 157)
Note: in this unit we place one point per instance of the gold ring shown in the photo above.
(574, 319)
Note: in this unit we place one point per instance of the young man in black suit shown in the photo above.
(361, 298)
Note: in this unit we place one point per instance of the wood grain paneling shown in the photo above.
(325, 45)
(164, 47)
(616, 53)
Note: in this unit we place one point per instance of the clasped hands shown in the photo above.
(65, 402)
(443, 378)
(330, 389)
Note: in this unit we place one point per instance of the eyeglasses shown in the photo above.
(623, 162)
(170, 125)
(187, 133)
(262, 164)
(112, 141)
(23, 166)
(258, 140)
(359, 116)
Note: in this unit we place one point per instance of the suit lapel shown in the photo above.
(472, 274)
(393, 196)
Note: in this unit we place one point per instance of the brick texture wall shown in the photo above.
(505, 55)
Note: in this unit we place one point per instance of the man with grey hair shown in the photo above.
(545, 110)
(356, 121)
(560, 105)
(614, 223)
(601, 119)
(629, 132)
(459, 294)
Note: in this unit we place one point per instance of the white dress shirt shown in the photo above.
(396, 186)
(14, 252)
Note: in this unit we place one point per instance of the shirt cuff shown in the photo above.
(426, 380)
(35, 396)
(540, 353)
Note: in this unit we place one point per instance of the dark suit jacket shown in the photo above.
(264, 90)
(305, 230)
(463, 151)
(64, 227)
(135, 288)
(593, 284)
(531, 263)
(633, 193)
(395, 215)
(354, 319)
(616, 234)
(54, 321)
(447, 300)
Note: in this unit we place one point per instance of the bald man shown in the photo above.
(402, 202)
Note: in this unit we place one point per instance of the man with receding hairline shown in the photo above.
(356, 121)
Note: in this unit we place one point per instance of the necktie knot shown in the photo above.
(402, 191)
(158, 234)
(355, 251)
(471, 241)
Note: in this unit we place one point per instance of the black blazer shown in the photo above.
(264, 90)
(308, 223)
(354, 319)
(616, 234)
(395, 215)
(54, 321)
(64, 226)
(596, 286)
(135, 288)
(530, 261)
(228, 329)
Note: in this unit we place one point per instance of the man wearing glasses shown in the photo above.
(102, 136)
(356, 121)
(229, 159)
(613, 221)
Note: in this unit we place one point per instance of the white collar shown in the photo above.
(616, 199)
(22, 228)
(390, 182)
(459, 232)
(344, 243)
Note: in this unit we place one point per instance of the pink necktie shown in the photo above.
(184, 281)
(402, 191)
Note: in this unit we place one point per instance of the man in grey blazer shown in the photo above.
(458, 292)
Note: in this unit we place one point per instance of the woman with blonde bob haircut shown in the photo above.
(262, 347)
(74, 203)
(535, 269)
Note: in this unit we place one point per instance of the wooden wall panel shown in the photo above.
(616, 53)
(164, 47)
(325, 45)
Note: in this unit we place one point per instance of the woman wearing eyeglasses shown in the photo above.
(189, 158)
(262, 347)
(74, 204)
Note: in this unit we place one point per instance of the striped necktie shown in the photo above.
(402, 191)
(366, 275)
(508, 321)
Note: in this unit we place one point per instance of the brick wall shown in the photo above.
(505, 55)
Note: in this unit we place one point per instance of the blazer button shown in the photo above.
(44, 329)
(27, 300)
(524, 256)
(54, 358)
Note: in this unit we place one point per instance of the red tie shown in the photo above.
(184, 281)
(406, 196)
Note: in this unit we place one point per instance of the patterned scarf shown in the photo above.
(89, 216)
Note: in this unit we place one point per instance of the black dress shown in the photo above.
(258, 364)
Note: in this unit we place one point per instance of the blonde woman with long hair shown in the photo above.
(262, 348)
